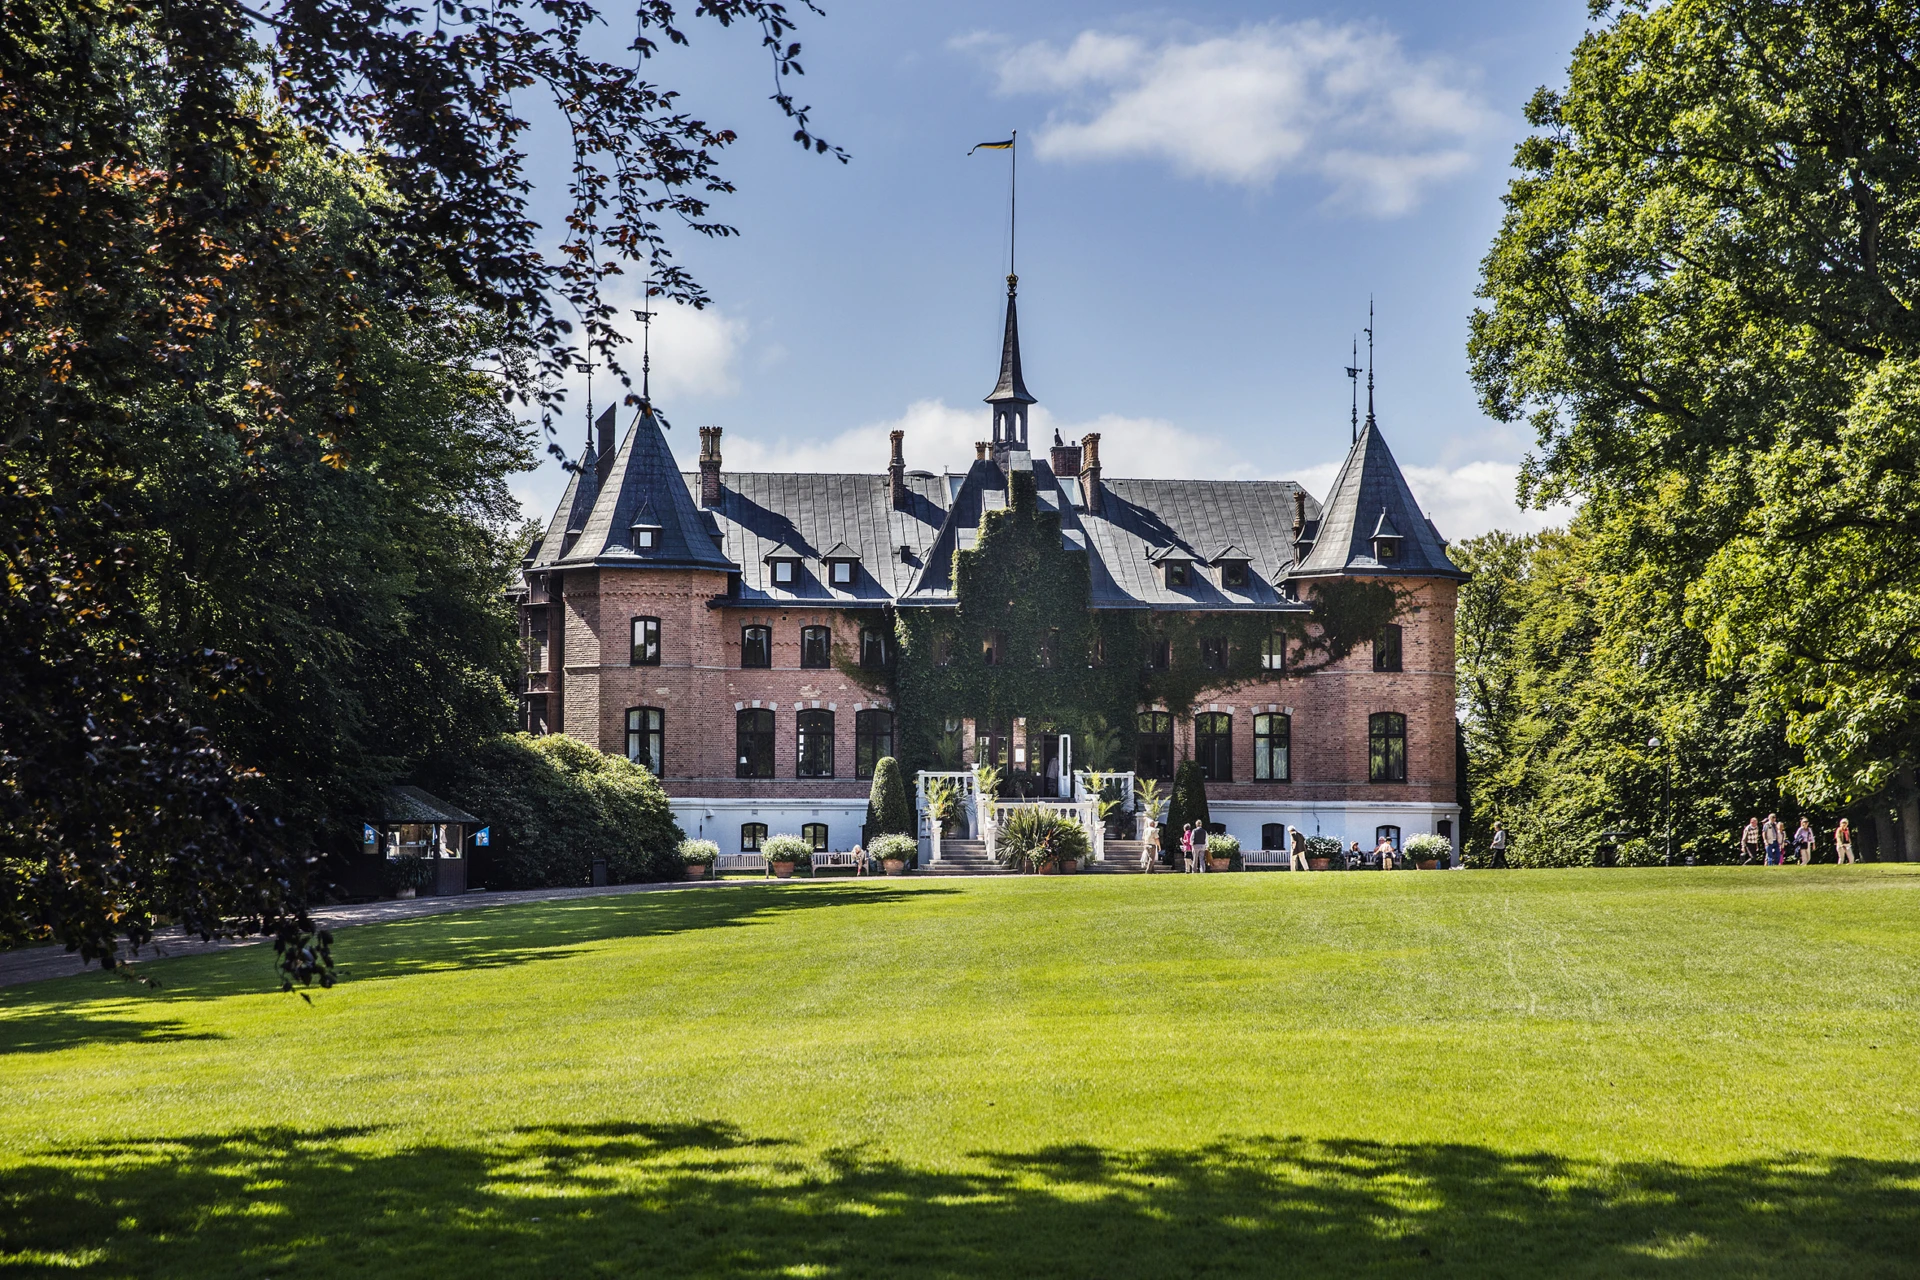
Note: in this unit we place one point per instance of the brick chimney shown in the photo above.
(1090, 471)
(1299, 513)
(897, 472)
(1065, 458)
(980, 450)
(709, 466)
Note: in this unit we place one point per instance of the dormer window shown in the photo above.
(840, 561)
(783, 565)
(1177, 573)
(1386, 541)
(1177, 566)
(646, 537)
(1233, 564)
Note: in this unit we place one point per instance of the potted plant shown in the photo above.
(697, 858)
(1321, 851)
(894, 852)
(1152, 804)
(943, 805)
(407, 874)
(1040, 840)
(784, 853)
(1223, 853)
(1425, 851)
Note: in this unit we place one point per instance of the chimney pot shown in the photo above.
(709, 466)
(1090, 487)
(1299, 513)
(980, 450)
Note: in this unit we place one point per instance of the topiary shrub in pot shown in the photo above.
(1038, 839)
(1425, 851)
(888, 812)
(1223, 854)
(1322, 852)
(698, 857)
(894, 852)
(785, 853)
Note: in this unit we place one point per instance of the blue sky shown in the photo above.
(1208, 196)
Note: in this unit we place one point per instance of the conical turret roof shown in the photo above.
(1370, 499)
(1011, 385)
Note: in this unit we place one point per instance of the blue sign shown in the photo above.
(480, 836)
(368, 834)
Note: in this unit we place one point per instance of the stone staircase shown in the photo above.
(1123, 858)
(964, 858)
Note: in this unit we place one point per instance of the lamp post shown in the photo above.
(1667, 788)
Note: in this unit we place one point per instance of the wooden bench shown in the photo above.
(739, 862)
(857, 861)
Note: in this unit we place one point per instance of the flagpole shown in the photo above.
(1013, 202)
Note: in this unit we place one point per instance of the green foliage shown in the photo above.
(943, 800)
(1033, 837)
(787, 848)
(1427, 847)
(1228, 847)
(1147, 795)
(698, 853)
(555, 805)
(894, 848)
(408, 871)
(1324, 847)
(1188, 804)
(1695, 298)
(888, 812)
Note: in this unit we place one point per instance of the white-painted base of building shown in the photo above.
(1345, 820)
(721, 820)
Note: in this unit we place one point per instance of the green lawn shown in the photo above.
(1602, 1073)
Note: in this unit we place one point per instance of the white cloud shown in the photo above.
(1343, 102)
(695, 353)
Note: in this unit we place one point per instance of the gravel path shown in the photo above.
(33, 964)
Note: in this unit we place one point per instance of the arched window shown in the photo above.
(872, 740)
(753, 732)
(1213, 745)
(816, 647)
(1154, 752)
(1273, 835)
(1390, 834)
(756, 646)
(646, 642)
(1387, 747)
(1273, 748)
(815, 834)
(647, 738)
(814, 757)
(1386, 648)
(751, 835)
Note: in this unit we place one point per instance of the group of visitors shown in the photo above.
(1770, 843)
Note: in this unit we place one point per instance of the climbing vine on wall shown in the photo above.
(1024, 599)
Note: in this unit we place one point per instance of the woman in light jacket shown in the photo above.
(1843, 842)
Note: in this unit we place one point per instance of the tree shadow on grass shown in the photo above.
(485, 937)
(47, 1030)
(706, 1199)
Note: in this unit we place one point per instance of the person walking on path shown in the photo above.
(1770, 836)
(1803, 840)
(1297, 859)
(1186, 846)
(1750, 842)
(1842, 843)
(1500, 845)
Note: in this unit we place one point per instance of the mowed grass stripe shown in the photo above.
(1703, 1071)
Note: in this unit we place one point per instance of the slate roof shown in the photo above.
(1368, 493)
(411, 804)
(641, 478)
(812, 514)
(1141, 522)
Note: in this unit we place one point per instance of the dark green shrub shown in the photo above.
(408, 872)
(888, 813)
(555, 805)
(1189, 804)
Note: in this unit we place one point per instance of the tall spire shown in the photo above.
(1010, 396)
(1353, 377)
(1369, 363)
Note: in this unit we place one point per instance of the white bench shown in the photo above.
(739, 862)
(857, 861)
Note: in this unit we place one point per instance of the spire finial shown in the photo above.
(1370, 361)
(1353, 377)
(646, 346)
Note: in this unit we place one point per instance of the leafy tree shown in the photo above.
(1697, 297)
(888, 812)
(192, 325)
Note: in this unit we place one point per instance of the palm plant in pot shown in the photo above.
(1037, 839)
(1425, 851)
(697, 858)
(943, 804)
(1151, 800)
(894, 852)
(784, 853)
